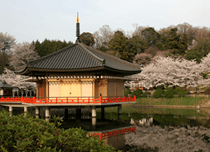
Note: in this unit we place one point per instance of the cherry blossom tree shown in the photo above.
(174, 72)
(23, 52)
(7, 42)
(17, 80)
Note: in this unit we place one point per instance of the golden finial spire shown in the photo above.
(78, 29)
(78, 19)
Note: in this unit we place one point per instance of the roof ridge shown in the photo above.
(98, 58)
(52, 54)
(118, 59)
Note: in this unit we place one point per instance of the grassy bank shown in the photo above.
(184, 101)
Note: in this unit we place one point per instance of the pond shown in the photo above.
(162, 116)
(165, 129)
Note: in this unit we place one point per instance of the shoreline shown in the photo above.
(169, 106)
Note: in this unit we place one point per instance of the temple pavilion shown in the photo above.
(78, 76)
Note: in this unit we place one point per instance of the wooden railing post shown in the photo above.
(100, 99)
(67, 100)
(34, 100)
(56, 100)
(101, 137)
(88, 99)
(45, 100)
(107, 99)
(77, 99)
(134, 97)
(22, 99)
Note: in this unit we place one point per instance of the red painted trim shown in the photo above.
(78, 100)
(114, 132)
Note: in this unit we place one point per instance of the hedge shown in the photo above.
(19, 133)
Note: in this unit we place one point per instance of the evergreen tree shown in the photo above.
(176, 43)
(48, 47)
(150, 35)
(118, 44)
(87, 38)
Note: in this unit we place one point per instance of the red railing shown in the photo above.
(77, 100)
(114, 132)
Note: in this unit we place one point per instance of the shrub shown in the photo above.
(207, 90)
(181, 91)
(158, 93)
(126, 92)
(19, 133)
(169, 93)
(146, 94)
(160, 87)
(138, 93)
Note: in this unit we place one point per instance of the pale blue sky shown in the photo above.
(28, 20)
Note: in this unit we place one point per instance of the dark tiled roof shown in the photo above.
(80, 56)
(114, 62)
(73, 57)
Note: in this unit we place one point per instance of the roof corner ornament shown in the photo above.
(104, 61)
(78, 29)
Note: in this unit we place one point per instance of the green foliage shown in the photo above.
(203, 46)
(119, 44)
(205, 75)
(146, 94)
(176, 42)
(48, 47)
(150, 35)
(181, 92)
(137, 45)
(138, 93)
(169, 92)
(158, 93)
(19, 133)
(126, 92)
(194, 55)
(103, 48)
(160, 87)
(87, 39)
(207, 90)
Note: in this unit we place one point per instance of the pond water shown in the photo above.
(163, 116)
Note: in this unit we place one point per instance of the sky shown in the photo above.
(29, 20)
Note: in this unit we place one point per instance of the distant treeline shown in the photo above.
(49, 46)
(140, 45)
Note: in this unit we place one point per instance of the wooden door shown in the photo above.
(111, 89)
(42, 90)
(87, 89)
(53, 89)
(65, 89)
(75, 89)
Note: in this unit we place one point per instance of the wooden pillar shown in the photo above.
(13, 93)
(26, 93)
(78, 114)
(120, 112)
(10, 110)
(66, 114)
(25, 110)
(37, 112)
(93, 115)
(47, 114)
(102, 113)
